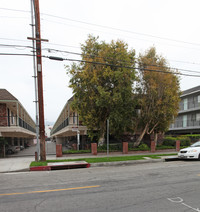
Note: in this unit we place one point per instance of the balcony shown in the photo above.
(65, 128)
(182, 125)
(16, 126)
(71, 121)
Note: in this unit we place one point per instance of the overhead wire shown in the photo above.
(118, 66)
(91, 56)
(106, 27)
(99, 63)
(102, 26)
(12, 45)
(122, 30)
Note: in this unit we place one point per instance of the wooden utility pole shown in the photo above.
(39, 80)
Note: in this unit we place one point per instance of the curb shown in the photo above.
(106, 164)
(123, 163)
(59, 166)
(19, 170)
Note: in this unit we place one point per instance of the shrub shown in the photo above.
(76, 151)
(161, 147)
(169, 141)
(112, 147)
(143, 147)
(185, 141)
(193, 137)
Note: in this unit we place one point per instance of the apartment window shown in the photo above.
(185, 104)
(185, 121)
(198, 98)
(12, 118)
(193, 117)
(198, 117)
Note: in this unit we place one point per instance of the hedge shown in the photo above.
(171, 141)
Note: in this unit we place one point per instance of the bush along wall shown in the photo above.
(193, 137)
(171, 141)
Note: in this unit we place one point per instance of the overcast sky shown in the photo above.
(172, 26)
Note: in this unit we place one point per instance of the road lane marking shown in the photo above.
(44, 191)
(180, 200)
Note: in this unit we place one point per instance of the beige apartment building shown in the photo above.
(16, 125)
(68, 127)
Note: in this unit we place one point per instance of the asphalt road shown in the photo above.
(169, 186)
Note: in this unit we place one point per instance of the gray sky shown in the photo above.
(172, 26)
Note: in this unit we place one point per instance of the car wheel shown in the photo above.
(199, 157)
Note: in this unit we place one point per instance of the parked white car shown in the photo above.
(191, 152)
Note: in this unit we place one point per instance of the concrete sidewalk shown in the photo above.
(16, 164)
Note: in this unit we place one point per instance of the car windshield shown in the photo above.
(197, 144)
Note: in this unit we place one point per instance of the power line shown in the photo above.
(25, 11)
(134, 38)
(12, 39)
(91, 56)
(117, 66)
(10, 45)
(99, 63)
(16, 54)
(122, 30)
(107, 27)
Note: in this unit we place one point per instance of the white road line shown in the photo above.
(180, 200)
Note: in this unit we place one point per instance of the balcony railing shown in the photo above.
(185, 124)
(9, 121)
(71, 121)
(191, 105)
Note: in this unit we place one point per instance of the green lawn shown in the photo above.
(101, 159)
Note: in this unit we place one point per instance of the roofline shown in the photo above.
(68, 101)
(190, 93)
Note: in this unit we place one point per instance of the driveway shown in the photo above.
(30, 151)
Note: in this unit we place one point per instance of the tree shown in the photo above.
(158, 93)
(102, 86)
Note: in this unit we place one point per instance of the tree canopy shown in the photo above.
(158, 94)
(103, 86)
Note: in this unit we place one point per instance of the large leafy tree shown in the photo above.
(158, 93)
(102, 86)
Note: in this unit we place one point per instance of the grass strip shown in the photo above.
(101, 159)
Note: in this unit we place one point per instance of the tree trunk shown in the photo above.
(137, 143)
(101, 140)
(156, 138)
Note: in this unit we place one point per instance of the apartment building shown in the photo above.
(68, 127)
(16, 125)
(188, 119)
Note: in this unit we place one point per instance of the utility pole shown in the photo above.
(39, 81)
(35, 82)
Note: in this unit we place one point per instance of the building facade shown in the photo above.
(188, 119)
(16, 125)
(68, 127)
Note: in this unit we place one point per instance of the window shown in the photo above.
(185, 121)
(12, 117)
(185, 104)
(198, 117)
(198, 98)
(193, 117)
